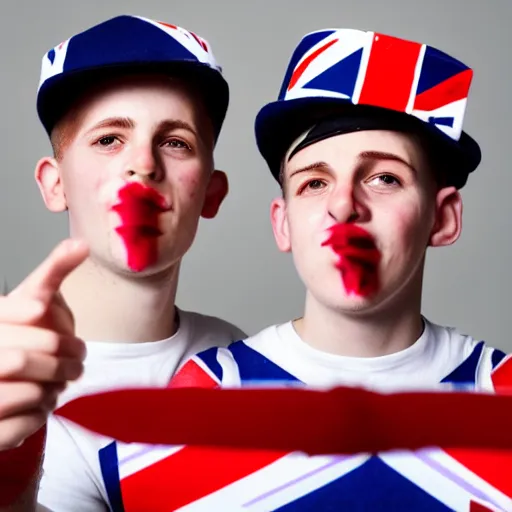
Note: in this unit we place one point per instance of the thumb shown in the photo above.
(47, 278)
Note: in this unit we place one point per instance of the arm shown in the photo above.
(39, 353)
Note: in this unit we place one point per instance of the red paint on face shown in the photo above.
(358, 258)
(139, 208)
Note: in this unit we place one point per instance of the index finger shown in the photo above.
(46, 279)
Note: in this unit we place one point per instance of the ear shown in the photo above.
(218, 188)
(279, 220)
(448, 220)
(48, 178)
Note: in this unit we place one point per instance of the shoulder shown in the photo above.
(205, 331)
(221, 365)
(473, 359)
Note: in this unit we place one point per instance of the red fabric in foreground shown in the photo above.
(19, 466)
(342, 420)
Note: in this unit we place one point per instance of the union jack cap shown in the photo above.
(347, 72)
(128, 44)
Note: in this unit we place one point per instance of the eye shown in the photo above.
(385, 181)
(313, 186)
(107, 141)
(177, 144)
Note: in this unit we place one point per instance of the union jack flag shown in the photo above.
(79, 50)
(369, 68)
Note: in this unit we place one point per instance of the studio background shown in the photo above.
(234, 269)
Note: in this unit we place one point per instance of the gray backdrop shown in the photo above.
(234, 269)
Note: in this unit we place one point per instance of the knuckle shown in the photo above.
(17, 362)
(53, 342)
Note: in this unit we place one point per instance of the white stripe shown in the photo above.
(230, 372)
(147, 456)
(417, 74)
(363, 67)
(306, 93)
(452, 465)
(428, 479)
(242, 494)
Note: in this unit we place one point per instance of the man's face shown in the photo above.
(135, 174)
(359, 211)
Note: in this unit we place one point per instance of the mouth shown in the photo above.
(359, 258)
(353, 242)
(139, 208)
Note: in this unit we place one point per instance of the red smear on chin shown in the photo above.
(138, 208)
(19, 467)
(358, 258)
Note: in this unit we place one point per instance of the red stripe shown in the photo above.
(192, 375)
(491, 465)
(478, 507)
(502, 376)
(305, 63)
(390, 73)
(203, 45)
(189, 475)
(454, 89)
(168, 25)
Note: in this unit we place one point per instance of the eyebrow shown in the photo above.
(128, 123)
(174, 124)
(365, 155)
(382, 155)
(311, 167)
(113, 122)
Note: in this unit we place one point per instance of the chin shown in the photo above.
(352, 304)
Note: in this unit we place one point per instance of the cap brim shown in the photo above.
(279, 123)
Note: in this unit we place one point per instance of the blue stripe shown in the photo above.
(254, 366)
(110, 472)
(372, 486)
(465, 373)
(209, 358)
(497, 357)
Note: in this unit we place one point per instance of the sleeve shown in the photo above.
(67, 482)
(494, 371)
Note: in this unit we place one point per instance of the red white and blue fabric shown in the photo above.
(100, 46)
(152, 478)
(369, 68)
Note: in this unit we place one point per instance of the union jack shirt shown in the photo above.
(189, 478)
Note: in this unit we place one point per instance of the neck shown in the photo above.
(395, 326)
(114, 308)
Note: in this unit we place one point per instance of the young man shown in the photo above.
(366, 141)
(133, 108)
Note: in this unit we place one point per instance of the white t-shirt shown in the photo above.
(192, 479)
(72, 479)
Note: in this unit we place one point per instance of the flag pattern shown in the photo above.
(163, 478)
(101, 45)
(123, 45)
(374, 69)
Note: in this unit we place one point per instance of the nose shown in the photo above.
(342, 204)
(143, 164)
